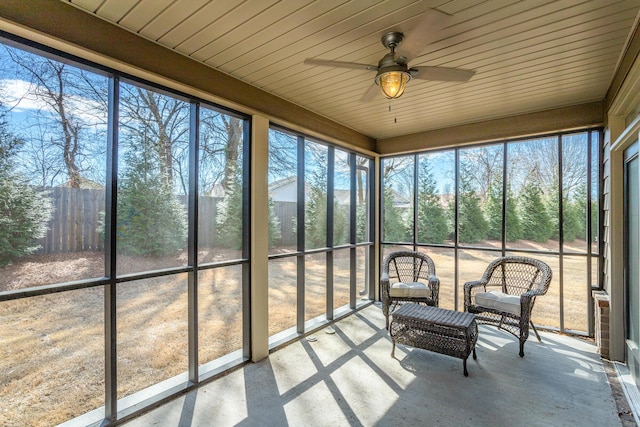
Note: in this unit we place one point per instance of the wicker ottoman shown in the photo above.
(449, 332)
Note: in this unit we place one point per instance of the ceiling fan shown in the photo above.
(393, 71)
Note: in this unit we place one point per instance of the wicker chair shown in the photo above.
(408, 276)
(506, 293)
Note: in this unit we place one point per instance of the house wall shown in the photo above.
(622, 129)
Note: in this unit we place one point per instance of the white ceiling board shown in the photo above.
(88, 5)
(138, 17)
(115, 10)
(170, 18)
(529, 55)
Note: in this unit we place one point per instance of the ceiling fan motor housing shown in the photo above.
(393, 74)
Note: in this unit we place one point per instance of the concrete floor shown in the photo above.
(349, 379)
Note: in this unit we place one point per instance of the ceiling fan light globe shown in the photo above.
(393, 83)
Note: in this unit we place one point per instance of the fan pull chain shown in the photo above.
(395, 119)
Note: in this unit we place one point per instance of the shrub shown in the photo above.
(432, 221)
(24, 212)
(151, 220)
(24, 215)
(536, 223)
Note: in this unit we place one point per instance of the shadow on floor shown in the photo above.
(349, 379)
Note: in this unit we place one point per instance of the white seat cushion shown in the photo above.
(411, 289)
(499, 301)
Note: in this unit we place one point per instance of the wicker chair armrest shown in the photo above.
(434, 284)
(474, 284)
(384, 287)
(533, 293)
(468, 290)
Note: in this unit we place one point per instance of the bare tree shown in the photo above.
(483, 165)
(70, 96)
(221, 142)
(159, 120)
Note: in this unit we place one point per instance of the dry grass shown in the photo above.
(51, 347)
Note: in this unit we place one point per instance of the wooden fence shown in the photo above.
(76, 217)
(74, 222)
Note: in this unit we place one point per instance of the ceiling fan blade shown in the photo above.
(444, 74)
(371, 93)
(340, 64)
(424, 33)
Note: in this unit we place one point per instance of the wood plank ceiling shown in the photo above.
(529, 55)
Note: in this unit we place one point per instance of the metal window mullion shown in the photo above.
(381, 219)
(353, 238)
(329, 231)
(504, 199)
(192, 244)
(415, 202)
(110, 301)
(300, 239)
(372, 224)
(246, 236)
(560, 232)
(456, 217)
(590, 319)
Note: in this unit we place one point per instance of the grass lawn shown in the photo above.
(51, 347)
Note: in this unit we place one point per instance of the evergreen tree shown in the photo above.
(151, 220)
(394, 228)
(553, 209)
(24, 212)
(493, 208)
(361, 222)
(229, 223)
(514, 226)
(580, 212)
(472, 226)
(315, 220)
(432, 220)
(536, 224)
(573, 221)
(275, 233)
(340, 224)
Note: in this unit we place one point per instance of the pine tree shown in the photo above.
(151, 220)
(493, 209)
(275, 233)
(361, 222)
(24, 212)
(579, 208)
(553, 209)
(340, 224)
(229, 223)
(573, 221)
(432, 221)
(315, 220)
(394, 228)
(514, 226)
(536, 224)
(472, 226)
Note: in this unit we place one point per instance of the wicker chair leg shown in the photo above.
(521, 348)
(464, 365)
(536, 331)
(501, 322)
